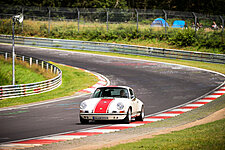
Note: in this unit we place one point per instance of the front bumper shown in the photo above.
(101, 116)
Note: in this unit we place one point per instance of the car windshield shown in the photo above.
(110, 92)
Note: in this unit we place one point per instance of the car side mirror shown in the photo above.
(133, 98)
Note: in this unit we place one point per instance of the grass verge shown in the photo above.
(206, 136)
(23, 72)
(73, 80)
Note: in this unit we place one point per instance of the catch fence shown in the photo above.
(108, 19)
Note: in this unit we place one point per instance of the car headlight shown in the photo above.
(120, 106)
(83, 105)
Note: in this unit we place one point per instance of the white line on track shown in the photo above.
(165, 114)
(102, 130)
(64, 137)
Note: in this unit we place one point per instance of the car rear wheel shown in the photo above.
(128, 117)
(83, 121)
(142, 115)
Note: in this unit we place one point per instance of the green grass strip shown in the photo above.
(73, 80)
(23, 75)
(206, 136)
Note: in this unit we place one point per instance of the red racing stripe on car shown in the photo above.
(102, 105)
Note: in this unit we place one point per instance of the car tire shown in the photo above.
(141, 116)
(128, 117)
(83, 121)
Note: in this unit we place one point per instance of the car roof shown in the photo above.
(126, 87)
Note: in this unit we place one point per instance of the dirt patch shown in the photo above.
(106, 142)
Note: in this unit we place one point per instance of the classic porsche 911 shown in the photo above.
(112, 103)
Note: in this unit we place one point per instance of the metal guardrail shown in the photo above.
(12, 91)
(116, 48)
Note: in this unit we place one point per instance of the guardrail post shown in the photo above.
(54, 70)
(47, 66)
(23, 58)
(6, 56)
(30, 61)
(42, 64)
(36, 61)
(51, 68)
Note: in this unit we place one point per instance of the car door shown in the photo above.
(134, 102)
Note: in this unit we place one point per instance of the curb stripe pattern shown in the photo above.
(116, 127)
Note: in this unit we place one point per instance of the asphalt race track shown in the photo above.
(160, 86)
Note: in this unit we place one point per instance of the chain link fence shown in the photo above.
(107, 19)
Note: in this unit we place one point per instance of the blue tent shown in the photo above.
(178, 24)
(159, 22)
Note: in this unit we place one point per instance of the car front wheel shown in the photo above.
(83, 121)
(128, 117)
(142, 115)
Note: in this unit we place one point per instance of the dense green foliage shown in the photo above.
(209, 7)
(210, 41)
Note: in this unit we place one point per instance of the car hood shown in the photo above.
(102, 105)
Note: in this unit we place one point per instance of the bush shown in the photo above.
(183, 38)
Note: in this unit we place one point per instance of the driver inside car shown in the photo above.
(123, 94)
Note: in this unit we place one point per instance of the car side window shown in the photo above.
(131, 93)
(96, 93)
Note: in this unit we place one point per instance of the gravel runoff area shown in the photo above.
(208, 113)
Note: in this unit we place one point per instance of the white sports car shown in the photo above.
(112, 103)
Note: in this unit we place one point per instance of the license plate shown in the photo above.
(100, 118)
